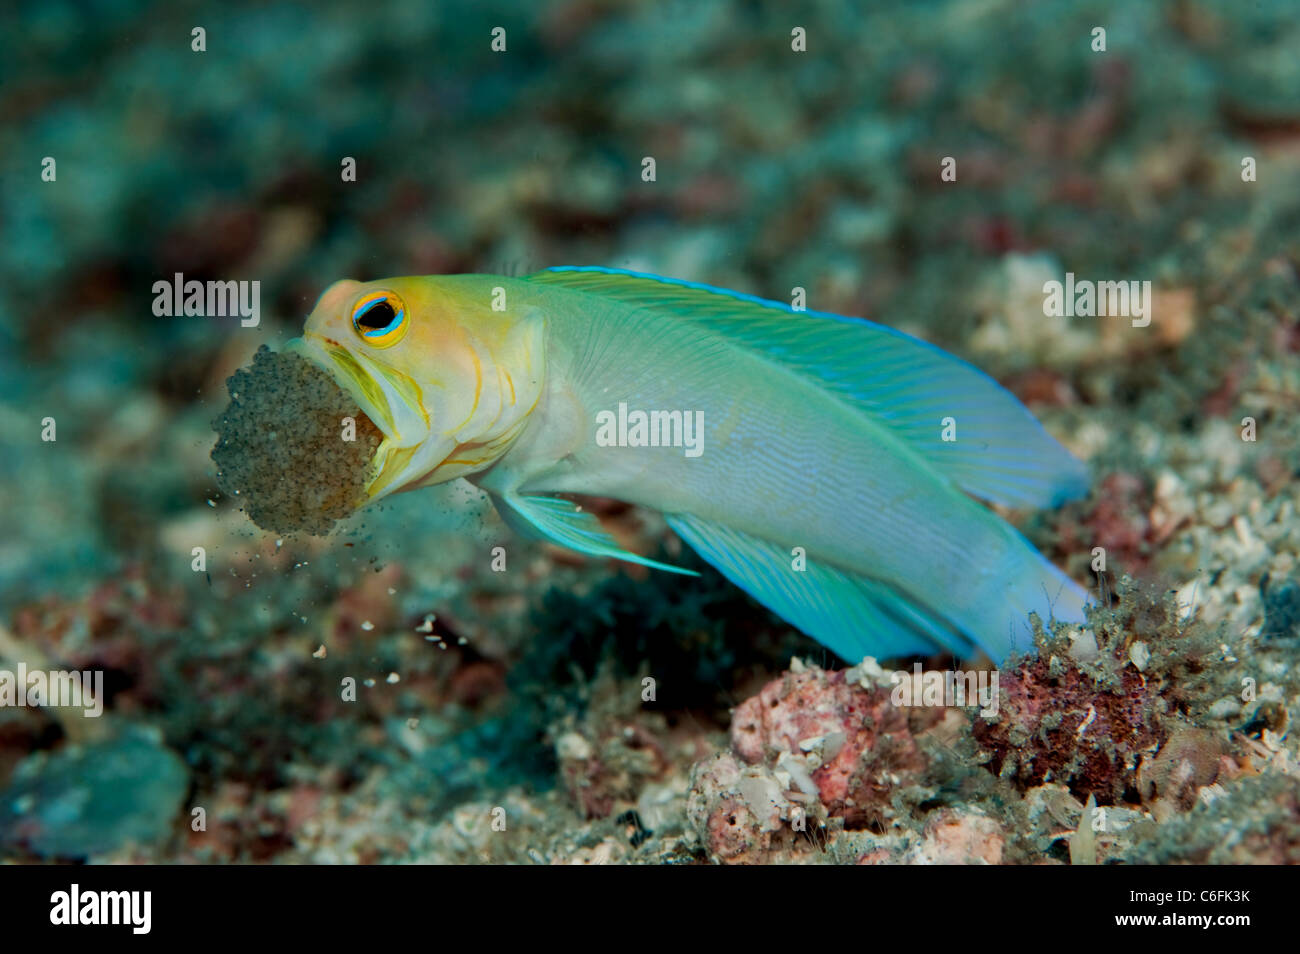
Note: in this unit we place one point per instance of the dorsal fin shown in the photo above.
(1001, 452)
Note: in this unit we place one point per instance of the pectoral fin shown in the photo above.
(562, 522)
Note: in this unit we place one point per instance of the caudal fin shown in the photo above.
(1027, 582)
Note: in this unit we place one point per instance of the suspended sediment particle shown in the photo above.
(282, 449)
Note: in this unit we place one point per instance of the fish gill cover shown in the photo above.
(281, 447)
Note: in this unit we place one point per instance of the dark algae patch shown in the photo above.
(281, 449)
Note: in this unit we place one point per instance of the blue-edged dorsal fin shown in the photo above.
(850, 615)
(561, 521)
(1001, 452)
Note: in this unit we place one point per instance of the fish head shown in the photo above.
(447, 379)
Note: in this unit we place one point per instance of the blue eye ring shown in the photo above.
(380, 318)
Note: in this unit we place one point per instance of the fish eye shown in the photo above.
(380, 319)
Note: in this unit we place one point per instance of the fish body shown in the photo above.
(803, 454)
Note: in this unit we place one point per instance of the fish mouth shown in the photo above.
(393, 403)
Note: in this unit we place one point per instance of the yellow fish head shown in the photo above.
(449, 381)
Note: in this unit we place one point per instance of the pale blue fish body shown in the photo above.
(824, 487)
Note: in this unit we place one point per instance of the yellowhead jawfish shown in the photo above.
(801, 453)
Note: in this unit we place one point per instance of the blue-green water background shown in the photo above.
(775, 169)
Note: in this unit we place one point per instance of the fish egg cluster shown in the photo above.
(282, 447)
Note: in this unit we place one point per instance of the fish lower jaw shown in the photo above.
(393, 469)
(435, 460)
(402, 464)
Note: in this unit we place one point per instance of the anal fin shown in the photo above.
(853, 616)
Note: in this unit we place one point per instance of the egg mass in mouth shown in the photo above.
(292, 446)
